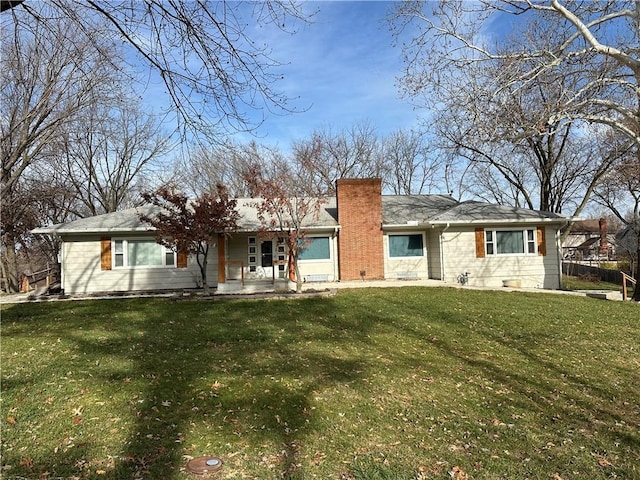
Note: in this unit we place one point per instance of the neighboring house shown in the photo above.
(589, 240)
(358, 235)
(627, 241)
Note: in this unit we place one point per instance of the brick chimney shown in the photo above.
(604, 245)
(360, 250)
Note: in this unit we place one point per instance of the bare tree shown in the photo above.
(329, 155)
(47, 76)
(516, 107)
(218, 76)
(409, 165)
(620, 193)
(594, 43)
(108, 153)
(201, 170)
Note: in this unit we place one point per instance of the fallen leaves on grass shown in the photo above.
(318, 458)
(458, 474)
(602, 461)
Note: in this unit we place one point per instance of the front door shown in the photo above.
(266, 252)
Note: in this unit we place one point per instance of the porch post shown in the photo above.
(222, 254)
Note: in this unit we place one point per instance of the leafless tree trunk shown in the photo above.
(515, 106)
(47, 76)
(622, 188)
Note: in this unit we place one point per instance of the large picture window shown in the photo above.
(315, 248)
(406, 245)
(132, 253)
(510, 242)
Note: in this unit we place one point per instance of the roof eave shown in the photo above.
(83, 231)
(559, 221)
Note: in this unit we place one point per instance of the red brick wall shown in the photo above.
(360, 238)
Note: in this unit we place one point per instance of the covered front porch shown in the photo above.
(248, 263)
(251, 263)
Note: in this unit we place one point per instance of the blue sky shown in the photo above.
(343, 68)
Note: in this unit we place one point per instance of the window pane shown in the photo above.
(405, 245)
(510, 242)
(118, 253)
(169, 257)
(143, 253)
(315, 248)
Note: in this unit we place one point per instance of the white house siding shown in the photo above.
(533, 271)
(405, 267)
(82, 272)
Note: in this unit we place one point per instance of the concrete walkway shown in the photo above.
(320, 287)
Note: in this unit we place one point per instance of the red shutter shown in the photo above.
(105, 253)
(480, 243)
(542, 245)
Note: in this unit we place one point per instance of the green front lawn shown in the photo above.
(396, 383)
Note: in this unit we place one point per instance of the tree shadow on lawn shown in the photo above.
(233, 379)
(537, 367)
(239, 379)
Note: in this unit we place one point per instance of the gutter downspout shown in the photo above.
(559, 251)
(334, 245)
(62, 267)
(442, 251)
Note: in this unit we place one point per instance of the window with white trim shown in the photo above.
(510, 242)
(135, 253)
(315, 248)
(406, 245)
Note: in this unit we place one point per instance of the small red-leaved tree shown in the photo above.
(192, 226)
(282, 210)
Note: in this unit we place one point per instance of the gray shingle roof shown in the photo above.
(129, 220)
(325, 217)
(402, 209)
(123, 221)
(397, 210)
(478, 212)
